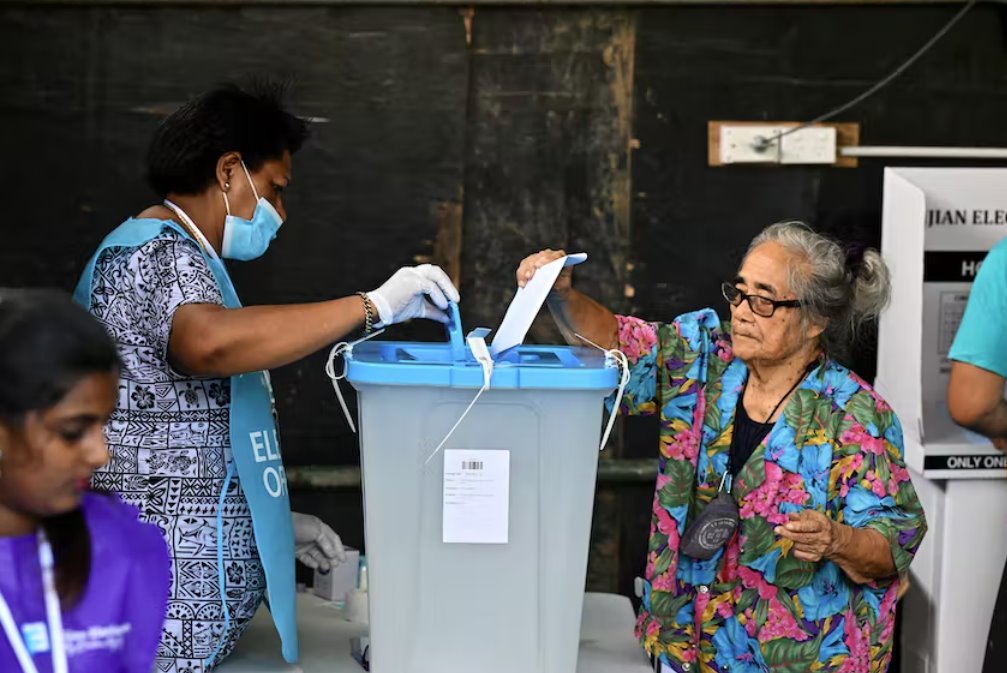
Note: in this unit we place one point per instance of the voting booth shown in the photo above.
(938, 224)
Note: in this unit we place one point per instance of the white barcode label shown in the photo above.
(476, 496)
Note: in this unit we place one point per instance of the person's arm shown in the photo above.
(979, 353)
(647, 346)
(862, 553)
(210, 340)
(574, 312)
(976, 401)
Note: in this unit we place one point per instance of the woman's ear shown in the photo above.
(227, 165)
(815, 329)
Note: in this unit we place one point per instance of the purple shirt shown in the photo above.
(116, 625)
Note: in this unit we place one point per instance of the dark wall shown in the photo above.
(473, 143)
(692, 223)
(83, 89)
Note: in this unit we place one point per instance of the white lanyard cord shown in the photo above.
(53, 617)
(52, 607)
(14, 638)
(221, 585)
(191, 227)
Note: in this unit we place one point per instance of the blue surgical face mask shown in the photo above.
(248, 239)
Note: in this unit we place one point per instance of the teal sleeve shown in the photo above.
(982, 336)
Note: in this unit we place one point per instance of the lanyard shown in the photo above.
(191, 227)
(728, 478)
(52, 612)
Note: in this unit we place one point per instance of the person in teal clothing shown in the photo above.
(193, 439)
(976, 394)
(979, 353)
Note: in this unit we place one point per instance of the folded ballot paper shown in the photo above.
(528, 302)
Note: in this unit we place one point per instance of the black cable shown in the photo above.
(762, 144)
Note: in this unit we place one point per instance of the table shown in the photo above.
(607, 644)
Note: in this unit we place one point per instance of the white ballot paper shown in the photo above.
(528, 302)
(476, 496)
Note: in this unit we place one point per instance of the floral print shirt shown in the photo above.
(836, 448)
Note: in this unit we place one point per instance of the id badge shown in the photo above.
(36, 637)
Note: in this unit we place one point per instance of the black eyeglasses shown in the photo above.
(762, 306)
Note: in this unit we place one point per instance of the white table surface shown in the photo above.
(607, 644)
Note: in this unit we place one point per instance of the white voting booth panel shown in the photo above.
(947, 612)
(938, 224)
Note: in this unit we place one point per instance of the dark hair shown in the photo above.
(251, 120)
(47, 345)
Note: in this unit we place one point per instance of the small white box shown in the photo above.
(341, 580)
(811, 145)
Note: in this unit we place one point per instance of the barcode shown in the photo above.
(472, 464)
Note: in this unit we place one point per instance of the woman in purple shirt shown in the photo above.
(83, 584)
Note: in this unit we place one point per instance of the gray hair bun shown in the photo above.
(844, 288)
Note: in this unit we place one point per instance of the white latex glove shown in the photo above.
(414, 292)
(315, 544)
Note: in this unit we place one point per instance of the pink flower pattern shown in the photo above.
(737, 584)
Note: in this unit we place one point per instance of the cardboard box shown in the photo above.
(336, 583)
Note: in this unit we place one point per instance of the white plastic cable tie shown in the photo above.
(342, 349)
(612, 354)
(482, 354)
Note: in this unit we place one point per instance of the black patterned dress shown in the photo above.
(170, 448)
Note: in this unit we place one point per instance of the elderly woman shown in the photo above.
(783, 516)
